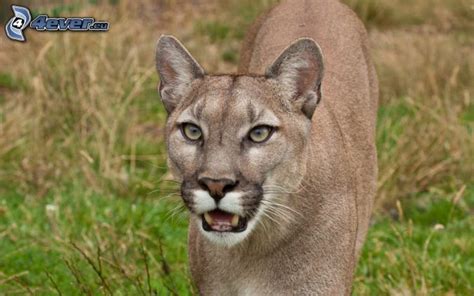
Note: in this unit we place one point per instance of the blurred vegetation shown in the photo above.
(86, 206)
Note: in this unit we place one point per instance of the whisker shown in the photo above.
(175, 211)
(281, 213)
(268, 215)
(161, 190)
(275, 202)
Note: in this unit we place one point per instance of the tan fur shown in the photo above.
(325, 170)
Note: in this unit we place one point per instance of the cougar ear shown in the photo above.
(299, 70)
(177, 69)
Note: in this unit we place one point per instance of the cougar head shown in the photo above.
(238, 143)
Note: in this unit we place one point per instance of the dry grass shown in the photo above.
(423, 54)
(443, 15)
(426, 79)
(79, 113)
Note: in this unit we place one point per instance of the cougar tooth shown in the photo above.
(208, 218)
(235, 220)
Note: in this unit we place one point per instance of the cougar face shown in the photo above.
(238, 143)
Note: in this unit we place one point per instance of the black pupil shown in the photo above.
(193, 130)
(259, 131)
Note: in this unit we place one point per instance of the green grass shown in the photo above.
(49, 241)
(428, 249)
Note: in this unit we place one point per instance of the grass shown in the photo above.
(79, 242)
(442, 15)
(426, 251)
(85, 205)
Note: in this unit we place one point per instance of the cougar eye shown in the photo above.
(261, 133)
(191, 131)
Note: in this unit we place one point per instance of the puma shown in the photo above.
(277, 164)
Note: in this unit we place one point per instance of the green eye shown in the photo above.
(260, 133)
(191, 131)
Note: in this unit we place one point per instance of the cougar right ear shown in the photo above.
(177, 70)
(299, 70)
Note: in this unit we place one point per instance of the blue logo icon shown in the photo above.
(18, 23)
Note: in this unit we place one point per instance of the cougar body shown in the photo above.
(305, 193)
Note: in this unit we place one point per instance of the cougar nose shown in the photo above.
(217, 188)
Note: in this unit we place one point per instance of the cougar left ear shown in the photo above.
(299, 70)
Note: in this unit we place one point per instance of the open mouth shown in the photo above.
(221, 221)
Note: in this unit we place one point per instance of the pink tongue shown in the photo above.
(221, 221)
(221, 216)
